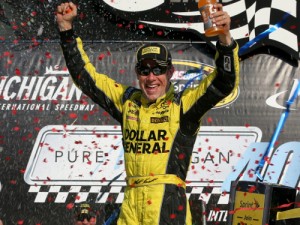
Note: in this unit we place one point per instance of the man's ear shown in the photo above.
(171, 70)
(135, 69)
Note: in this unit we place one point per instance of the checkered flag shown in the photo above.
(265, 23)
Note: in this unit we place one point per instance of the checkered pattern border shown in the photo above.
(115, 194)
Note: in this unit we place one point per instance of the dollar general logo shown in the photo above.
(190, 73)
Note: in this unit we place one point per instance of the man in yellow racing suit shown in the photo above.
(159, 126)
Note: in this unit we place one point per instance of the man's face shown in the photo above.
(153, 86)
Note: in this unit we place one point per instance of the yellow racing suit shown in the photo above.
(158, 138)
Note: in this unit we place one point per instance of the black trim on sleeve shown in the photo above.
(67, 36)
(226, 48)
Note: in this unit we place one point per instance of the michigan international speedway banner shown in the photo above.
(57, 147)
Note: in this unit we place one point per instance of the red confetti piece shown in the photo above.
(105, 113)
(55, 102)
(159, 33)
(115, 147)
(209, 119)
(48, 55)
(110, 199)
(81, 16)
(73, 115)
(172, 216)
(251, 189)
(181, 156)
(180, 207)
(140, 26)
(101, 56)
(70, 206)
(20, 222)
(50, 199)
(9, 62)
(30, 135)
(13, 182)
(16, 128)
(6, 54)
(267, 159)
(54, 130)
(217, 209)
(14, 111)
(36, 120)
(17, 72)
